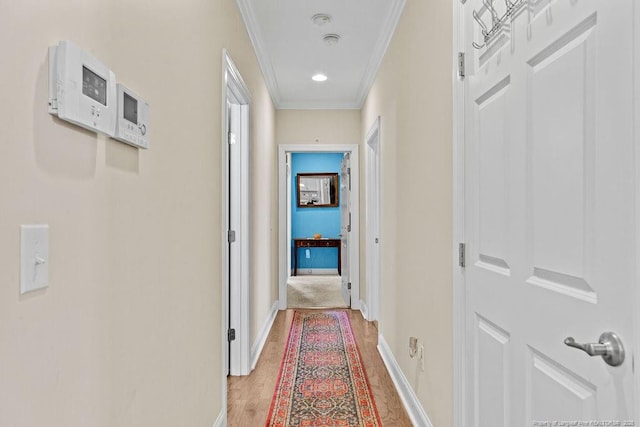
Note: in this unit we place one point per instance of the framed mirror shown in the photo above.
(317, 190)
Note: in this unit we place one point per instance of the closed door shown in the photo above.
(345, 229)
(550, 216)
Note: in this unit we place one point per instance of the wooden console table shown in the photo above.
(315, 243)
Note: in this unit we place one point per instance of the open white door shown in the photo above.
(550, 217)
(345, 209)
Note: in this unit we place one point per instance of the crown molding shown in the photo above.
(386, 34)
(311, 105)
(256, 37)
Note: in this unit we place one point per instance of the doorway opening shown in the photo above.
(297, 243)
(235, 223)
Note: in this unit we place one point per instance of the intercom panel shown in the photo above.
(82, 90)
(132, 122)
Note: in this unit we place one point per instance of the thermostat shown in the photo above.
(132, 122)
(82, 90)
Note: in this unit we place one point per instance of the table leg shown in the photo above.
(295, 260)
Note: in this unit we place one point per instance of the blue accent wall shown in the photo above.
(305, 222)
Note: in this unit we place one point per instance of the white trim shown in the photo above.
(458, 236)
(636, 137)
(313, 105)
(234, 89)
(288, 160)
(386, 34)
(364, 310)
(266, 66)
(284, 243)
(261, 339)
(221, 421)
(264, 60)
(373, 143)
(224, 270)
(416, 412)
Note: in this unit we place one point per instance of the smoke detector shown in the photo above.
(321, 19)
(331, 39)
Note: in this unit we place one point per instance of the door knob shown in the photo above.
(609, 346)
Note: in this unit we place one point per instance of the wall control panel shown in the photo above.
(132, 121)
(82, 90)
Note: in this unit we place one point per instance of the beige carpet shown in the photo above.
(315, 292)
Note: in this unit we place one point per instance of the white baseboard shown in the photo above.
(221, 421)
(416, 412)
(317, 271)
(364, 310)
(256, 349)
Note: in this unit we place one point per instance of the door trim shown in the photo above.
(459, 296)
(372, 227)
(636, 136)
(284, 196)
(234, 89)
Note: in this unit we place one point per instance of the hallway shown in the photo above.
(249, 397)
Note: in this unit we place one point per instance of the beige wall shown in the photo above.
(318, 127)
(412, 94)
(129, 331)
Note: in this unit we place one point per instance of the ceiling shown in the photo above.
(290, 48)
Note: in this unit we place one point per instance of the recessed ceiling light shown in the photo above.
(319, 77)
(321, 19)
(331, 39)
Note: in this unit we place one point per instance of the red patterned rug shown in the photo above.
(322, 380)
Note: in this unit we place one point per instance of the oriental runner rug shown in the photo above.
(322, 380)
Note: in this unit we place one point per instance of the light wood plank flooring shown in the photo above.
(249, 397)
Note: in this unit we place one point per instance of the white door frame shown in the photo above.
(636, 137)
(372, 142)
(288, 160)
(459, 296)
(235, 91)
(284, 195)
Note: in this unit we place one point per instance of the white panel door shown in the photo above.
(345, 231)
(550, 219)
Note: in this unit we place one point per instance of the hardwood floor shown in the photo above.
(249, 397)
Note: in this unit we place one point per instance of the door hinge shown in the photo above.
(349, 225)
(461, 67)
(349, 174)
(462, 262)
(231, 236)
(232, 138)
(231, 335)
(349, 285)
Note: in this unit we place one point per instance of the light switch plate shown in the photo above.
(34, 257)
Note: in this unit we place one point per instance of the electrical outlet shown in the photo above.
(413, 346)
